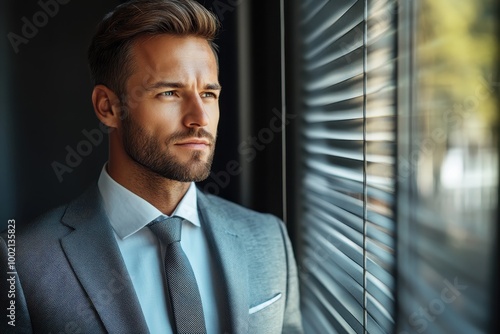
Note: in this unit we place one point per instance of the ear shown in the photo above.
(106, 106)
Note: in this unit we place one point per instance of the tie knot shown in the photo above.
(167, 230)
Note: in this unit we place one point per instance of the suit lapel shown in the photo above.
(229, 252)
(97, 262)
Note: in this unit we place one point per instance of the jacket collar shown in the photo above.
(92, 250)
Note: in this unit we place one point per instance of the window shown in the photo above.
(395, 204)
(448, 166)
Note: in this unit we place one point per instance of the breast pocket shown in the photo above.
(267, 316)
(265, 304)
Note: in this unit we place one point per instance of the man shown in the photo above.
(103, 263)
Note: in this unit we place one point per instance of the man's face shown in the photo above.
(172, 112)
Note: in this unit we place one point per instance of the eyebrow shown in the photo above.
(166, 84)
(213, 86)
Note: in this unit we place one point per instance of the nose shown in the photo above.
(196, 116)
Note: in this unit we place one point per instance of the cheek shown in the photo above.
(214, 124)
(214, 119)
(164, 130)
(159, 121)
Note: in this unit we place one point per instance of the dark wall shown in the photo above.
(7, 195)
(46, 109)
(267, 107)
(47, 103)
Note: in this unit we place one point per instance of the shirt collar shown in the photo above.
(128, 213)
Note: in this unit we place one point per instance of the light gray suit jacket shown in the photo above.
(71, 277)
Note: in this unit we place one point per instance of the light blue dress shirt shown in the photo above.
(129, 214)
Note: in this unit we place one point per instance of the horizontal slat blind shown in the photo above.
(380, 114)
(347, 227)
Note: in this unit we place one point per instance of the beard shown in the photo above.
(154, 155)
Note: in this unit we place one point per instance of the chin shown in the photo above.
(193, 171)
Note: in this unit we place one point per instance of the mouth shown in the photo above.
(194, 143)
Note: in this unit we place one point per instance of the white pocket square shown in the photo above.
(265, 304)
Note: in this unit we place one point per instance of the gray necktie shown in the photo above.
(181, 284)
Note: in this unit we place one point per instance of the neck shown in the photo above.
(164, 194)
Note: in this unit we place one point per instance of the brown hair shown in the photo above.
(109, 53)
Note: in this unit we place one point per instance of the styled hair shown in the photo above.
(109, 54)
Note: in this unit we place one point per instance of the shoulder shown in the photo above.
(48, 228)
(43, 230)
(242, 221)
(233, 208)
(235, 211)
(44, 222)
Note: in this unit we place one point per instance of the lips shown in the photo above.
(194, 143)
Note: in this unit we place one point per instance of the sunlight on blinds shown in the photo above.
(348, 142)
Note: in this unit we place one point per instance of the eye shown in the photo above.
(209, 94)
(167, 93)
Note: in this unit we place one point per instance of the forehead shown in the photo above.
(184, 57)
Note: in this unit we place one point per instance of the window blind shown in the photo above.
(347, 229)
